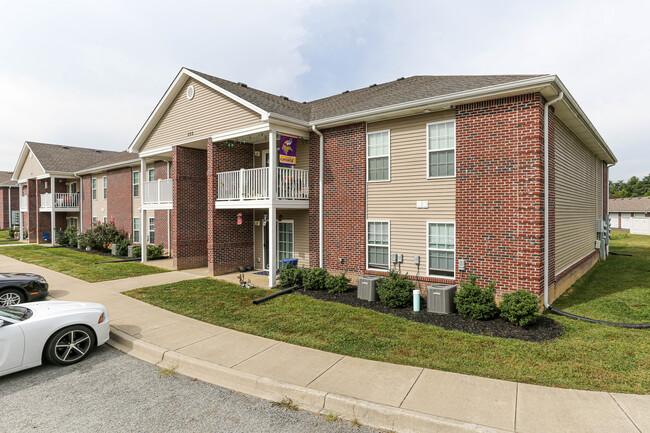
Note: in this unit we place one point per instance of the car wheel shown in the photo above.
(11, 297)
(70, 345)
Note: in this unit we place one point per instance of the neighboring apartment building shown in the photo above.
(622, 210)
(449, 170)
(8, 201)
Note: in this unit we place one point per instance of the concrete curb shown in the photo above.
(312, 400)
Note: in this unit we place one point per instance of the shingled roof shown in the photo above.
(68, 159)
(375, 96)
(5, 179)
(632, 204)
(116, 159)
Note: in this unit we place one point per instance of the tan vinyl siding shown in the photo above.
(396, 200)
(578, 198)
(207, 113)
(302, 154)
(99, 206)
(31, 168)
(300, 219)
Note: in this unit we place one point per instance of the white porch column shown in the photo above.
(20, 212)
(143, 233)
(273, 158)
(52, 212)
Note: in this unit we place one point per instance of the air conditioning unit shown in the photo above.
(440, 298)
(367, 288)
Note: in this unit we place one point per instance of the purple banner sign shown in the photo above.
(288, 145)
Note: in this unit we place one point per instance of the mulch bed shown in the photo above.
(544, 330)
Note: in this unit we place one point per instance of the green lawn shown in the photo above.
(78, 264)
(587, 356)
(5, 239)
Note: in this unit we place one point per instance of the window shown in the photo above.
(136, 230)
(94, 219)
(152, 231)
(105, 186)
(378, 156)
(74, 222)
(94, 188)
(441, 249)
(285, 240)
(73, 188)
(105, 220)
(441, 149)
(151, 176)
(378, 245)
(136, 184)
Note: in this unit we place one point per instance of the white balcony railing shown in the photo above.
(23, 203)
(62, 200)
(253, 184)
(159, 192)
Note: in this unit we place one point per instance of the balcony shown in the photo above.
(158, 194)
(250, 188)
(63, 202)
(23, 203)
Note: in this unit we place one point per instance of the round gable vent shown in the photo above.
(190, 93)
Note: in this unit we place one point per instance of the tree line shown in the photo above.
(634, 187)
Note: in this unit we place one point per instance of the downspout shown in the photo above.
(546, 192)
(320, 196)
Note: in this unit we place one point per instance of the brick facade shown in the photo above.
(161, 217)
(5, 214)
(32, 211)
(229, 245)
(499, 192)
(344, 190)
(43, 219)
(189, 218)
(86, 201)
(119, 204)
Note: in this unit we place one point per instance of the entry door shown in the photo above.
(285, 240)
(265, 229)
(265, 158)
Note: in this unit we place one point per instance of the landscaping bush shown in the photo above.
(122, 247)
(68, 237)
(395, 290)
(314, 279)
(337, 284)
(101, 235)
(476, 302)
(520, 307)
(291, 276)
(153, 251)
(13, 231)
(618, 235)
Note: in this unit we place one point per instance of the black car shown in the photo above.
(17, 288)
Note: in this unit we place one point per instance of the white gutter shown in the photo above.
(320, 196)
(546, 189)
(81, 204)
(128, 163)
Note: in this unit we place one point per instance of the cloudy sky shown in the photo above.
(88, 73)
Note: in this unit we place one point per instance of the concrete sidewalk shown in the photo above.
(377, 394)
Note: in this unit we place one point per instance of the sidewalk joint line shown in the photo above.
(326, 370)
(411, 388)
(252, 356)
(622, 410)
(516, 402)
(203, 339)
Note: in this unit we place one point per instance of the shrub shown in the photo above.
(520, 307)
(153, 251)
(476, 302)
(13, 231)
(291, 276)
(101, 235)
(68, 236)
(337, 284)
(614, 235)
(395, 290)
(122, 247)
(314, 279)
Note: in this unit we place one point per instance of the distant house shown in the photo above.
(8, 201)
(621, 210)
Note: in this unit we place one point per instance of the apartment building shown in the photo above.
(8, 201)
(502, 176)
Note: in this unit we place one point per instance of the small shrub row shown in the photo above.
(99, 237)
(153, 251)
(395, 290)
(313, 279)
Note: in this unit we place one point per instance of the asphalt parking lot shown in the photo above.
(113, 392)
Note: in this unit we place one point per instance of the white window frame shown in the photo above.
(441, 150)
(444, 277)
(149, 231)
(277, 243)
(105, 220)
(76, 187)
(93, 187)
(382, 156)
(94, 219)
(105, 187)
(133, 183)
(138, 231)
(75, 220)
(151, 174)
(368, 268)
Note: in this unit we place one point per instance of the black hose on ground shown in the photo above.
(276, 294)
(586, 319)
(620, 254)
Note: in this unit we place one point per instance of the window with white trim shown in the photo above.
(151, 175)
(378, 245)
(441, 252)
(136, 184)
(105, 186)
(136, 230)
(378, 156)
(441, 149)
(74, 221)
(152, 231)
(105, 220)
(94, 219)
(94, 187)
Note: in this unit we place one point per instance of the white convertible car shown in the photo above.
(60, 332)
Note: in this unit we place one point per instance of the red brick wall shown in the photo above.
(189, 218)
(43, 219)
(344, 217)
(32, 213)
(161, 216)
(87, 202)
(229, 245)
(119, 206)
(5, 212)
(499, 191)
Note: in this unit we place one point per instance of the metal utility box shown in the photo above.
(367, 288)
(440, 298)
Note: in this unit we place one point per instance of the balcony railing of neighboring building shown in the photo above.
(253, 184)
(62, 201)
(159, 192)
